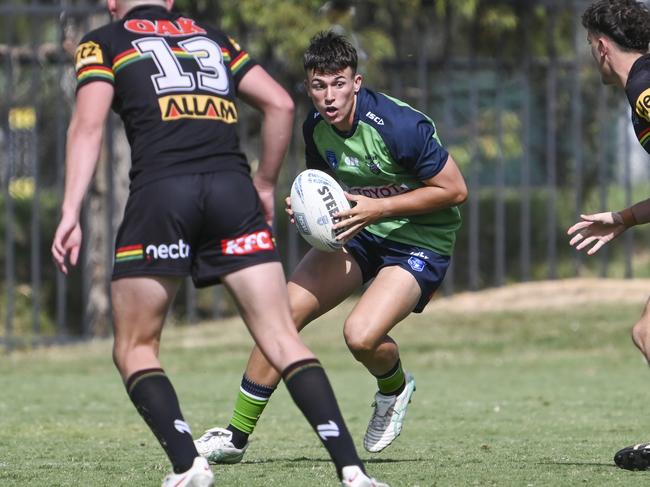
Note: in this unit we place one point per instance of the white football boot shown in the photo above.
(353, 476)
(199, 475)
(216, 445)
(387, 419)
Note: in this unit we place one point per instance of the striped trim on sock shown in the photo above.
(393, 381)
(299, 366)
(136, 377)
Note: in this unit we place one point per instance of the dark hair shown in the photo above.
(329, 53)
(626, 22)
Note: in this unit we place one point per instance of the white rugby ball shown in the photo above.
(315, 198)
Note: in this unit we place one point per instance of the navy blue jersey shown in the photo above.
(175, 83)
(637, 90)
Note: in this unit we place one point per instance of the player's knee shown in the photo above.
(359, 342)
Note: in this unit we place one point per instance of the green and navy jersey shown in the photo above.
(637, 90)
(175, 83)
(390, 150)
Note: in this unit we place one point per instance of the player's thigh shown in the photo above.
(140, 306)
(321, 281)
(391, 297)
(261, 295)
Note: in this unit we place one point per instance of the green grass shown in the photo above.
(539, 398)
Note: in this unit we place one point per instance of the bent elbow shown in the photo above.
(285, 105)
(461, 195)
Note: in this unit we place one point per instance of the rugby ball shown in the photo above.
(315, 198)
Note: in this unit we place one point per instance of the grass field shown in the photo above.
(519, 397)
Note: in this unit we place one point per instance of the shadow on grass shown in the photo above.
(327, 460)
(578, 464)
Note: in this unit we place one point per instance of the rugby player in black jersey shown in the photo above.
(193, 209)
(618, 32)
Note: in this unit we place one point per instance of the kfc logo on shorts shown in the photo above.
(248, 244)
(174, 251)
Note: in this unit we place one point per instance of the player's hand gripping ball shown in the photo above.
(315, 198)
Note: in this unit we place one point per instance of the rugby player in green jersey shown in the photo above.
(618, 32)
(399, 234)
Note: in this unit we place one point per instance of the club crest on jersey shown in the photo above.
(416, 264)
(176, 28)
(371, 162)
(175, 107)
(331, 158)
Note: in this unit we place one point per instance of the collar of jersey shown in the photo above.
(636, 66)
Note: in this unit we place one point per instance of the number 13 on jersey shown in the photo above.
(213, 76)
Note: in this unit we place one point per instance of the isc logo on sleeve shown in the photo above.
(643, 105)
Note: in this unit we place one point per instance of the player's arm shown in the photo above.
(260, 90)
(601, 228)
(83, 144)
(445, 189)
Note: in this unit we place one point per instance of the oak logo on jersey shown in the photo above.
(175, 107)
(86, 54)
(643, 105)
(169, 28)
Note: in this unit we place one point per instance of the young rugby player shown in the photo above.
(618, 32)
(400, 233)
(193, 208)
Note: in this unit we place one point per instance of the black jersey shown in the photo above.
(175, 83)
(637, 90)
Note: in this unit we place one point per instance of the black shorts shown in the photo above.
(203, 225)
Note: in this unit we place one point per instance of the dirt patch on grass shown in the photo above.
(562, 293)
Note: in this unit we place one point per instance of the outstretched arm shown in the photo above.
(260, 90)
(601, 228)
(83, 144)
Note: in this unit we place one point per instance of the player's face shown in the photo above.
(334, 96)
(598, 51)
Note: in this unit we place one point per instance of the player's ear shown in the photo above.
(169, 4)
(358, 79)
(603, 46)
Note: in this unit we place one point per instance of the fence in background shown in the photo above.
(532, 138)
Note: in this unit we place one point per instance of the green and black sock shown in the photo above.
(251, 401)
(393, 382)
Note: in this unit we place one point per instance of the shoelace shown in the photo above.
(379, 419)
(208, 435)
